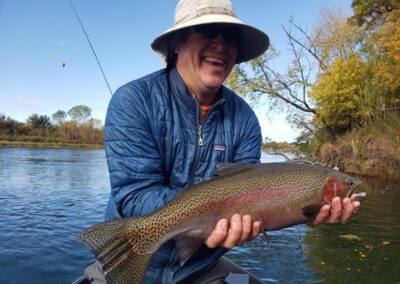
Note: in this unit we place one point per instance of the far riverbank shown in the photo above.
(372, 151)
(5, 143)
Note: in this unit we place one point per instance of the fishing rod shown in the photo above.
(91, 46)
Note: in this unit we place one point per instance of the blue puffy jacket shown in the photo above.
(156, 148)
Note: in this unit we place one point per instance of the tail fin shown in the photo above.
(114, 246)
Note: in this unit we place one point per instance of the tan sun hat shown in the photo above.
(190, 13)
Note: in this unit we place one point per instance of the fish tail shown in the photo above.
(116, 246)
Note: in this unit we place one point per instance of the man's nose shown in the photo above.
(220, 42)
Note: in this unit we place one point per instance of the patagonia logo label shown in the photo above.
(219, 147)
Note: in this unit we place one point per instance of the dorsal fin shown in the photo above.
(224, 169)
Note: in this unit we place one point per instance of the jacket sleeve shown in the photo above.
(248, 150)
(138, 184)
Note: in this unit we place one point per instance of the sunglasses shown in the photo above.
(230, 34)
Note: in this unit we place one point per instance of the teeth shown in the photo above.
(214, 60)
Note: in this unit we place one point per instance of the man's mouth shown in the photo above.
(214, 61)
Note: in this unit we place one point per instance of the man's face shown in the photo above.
(206, 58)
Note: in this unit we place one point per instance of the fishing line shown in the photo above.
(91, 46)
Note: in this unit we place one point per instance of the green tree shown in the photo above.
(39, 121)
(8, 126)
(80, 114)
(59, 117)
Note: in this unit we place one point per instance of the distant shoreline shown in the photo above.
(5, 143)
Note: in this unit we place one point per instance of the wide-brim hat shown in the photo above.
(189, 13)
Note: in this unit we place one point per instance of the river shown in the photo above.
(49, 195)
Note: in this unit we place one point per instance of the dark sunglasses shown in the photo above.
(230, 34)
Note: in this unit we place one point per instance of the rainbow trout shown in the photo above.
(280, 194)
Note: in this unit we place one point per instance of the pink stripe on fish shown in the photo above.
(258, 194)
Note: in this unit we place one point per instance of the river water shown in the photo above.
(49, 195)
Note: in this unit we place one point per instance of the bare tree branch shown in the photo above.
(311, 50)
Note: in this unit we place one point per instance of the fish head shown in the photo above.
(341, 185)
(334, 184)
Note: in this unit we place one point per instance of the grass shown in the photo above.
(382, 136)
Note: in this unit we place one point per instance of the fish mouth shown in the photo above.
(353, 194)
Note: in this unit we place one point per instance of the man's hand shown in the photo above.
(338, 211)
(241, 229)
(233, 233)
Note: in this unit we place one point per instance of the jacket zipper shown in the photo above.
(200, 128)
(199, 139)
(200, 135)
(198, 145)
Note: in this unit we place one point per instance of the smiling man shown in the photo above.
(168, 130)
(205, 60)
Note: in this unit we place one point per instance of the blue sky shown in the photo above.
(36, 36)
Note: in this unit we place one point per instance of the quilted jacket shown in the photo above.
(156, 148)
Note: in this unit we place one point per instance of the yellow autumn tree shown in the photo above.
(387, 68)
(340, 94)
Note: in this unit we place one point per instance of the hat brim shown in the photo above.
(253, 42)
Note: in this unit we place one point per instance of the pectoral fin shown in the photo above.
(311, 211)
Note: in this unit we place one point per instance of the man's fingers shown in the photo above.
(246, 229)
(348, 210)
(257, 227)
(356, 206)
(234, 232)
(322, 215)
(218, 235)
(336, 211)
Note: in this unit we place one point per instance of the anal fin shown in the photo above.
(188, 243)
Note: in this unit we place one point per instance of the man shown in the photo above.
(169, 130)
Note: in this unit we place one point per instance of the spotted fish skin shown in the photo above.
(279, 194)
